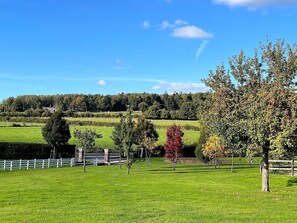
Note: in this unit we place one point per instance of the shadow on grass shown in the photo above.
(183, 168)
(292, 182)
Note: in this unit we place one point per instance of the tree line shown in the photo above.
(155, 106)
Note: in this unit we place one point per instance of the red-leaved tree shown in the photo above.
(173, 144)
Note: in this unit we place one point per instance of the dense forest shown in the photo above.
(154, 106)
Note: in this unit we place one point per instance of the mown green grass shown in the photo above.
(154, 193)
(34, 135)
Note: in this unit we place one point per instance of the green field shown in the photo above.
(154, 193)
(164, 123)
(33, 135)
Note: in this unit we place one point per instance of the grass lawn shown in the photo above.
(154, 193)
(34, 135)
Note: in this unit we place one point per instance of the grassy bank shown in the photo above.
(193, 193)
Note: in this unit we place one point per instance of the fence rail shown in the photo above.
(284, 165)
(10, 165)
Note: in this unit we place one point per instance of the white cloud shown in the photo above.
(180, 87)
(120, 65)
(255, 3)
(201, 49)
(191, 32)
(164, 85)
(101, 83)
(167, 25)
(146, 24)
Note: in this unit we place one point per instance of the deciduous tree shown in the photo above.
(258, 101)
(86, 139)
(214, 149)
(173, 144)
(128, 138)
(145, 136)
(118, 138)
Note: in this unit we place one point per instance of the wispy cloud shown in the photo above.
(146, 24)
(167, 25)
(201, 49)
(180, 87)
(101, 83)
(191, 32)
(120, 65)
(255, 3)
(165, 85)
(182, 29)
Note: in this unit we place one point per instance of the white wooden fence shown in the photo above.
(9, 165)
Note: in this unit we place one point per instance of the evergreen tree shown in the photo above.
(56, 132)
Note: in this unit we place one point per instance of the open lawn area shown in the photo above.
(154, 193)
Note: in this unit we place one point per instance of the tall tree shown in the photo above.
(117, 136)
(261, 95)
(145, 136)
(86, 139)
(56, 132)
(128, 138)
(173, 144)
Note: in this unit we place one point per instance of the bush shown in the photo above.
(199, 154)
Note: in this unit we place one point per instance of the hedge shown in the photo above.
(15, 151)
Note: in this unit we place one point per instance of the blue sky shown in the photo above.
(113, 46)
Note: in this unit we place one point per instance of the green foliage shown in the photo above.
(56, 131)
(153, 112)
(201, 142)
(145, 136)
(86, 139)
(259, 106)
(187, 111)
(128, 136)
(16, 151)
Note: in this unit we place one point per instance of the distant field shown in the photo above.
(34, 135)
(152, 193)
(163, 123)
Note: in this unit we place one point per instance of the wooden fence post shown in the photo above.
(42, 164)
(34, 165)
(292, 167)
(20, 167)
(48, 163)
(57, 163)
(27, 164)
(4, 164)
(10, 165)
(61, 162)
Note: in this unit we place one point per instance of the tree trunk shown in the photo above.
(85, 166)
(53, 155)
(120, 158)
(232, 161)
(174, 165)
(141, 153)
(265, 171)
